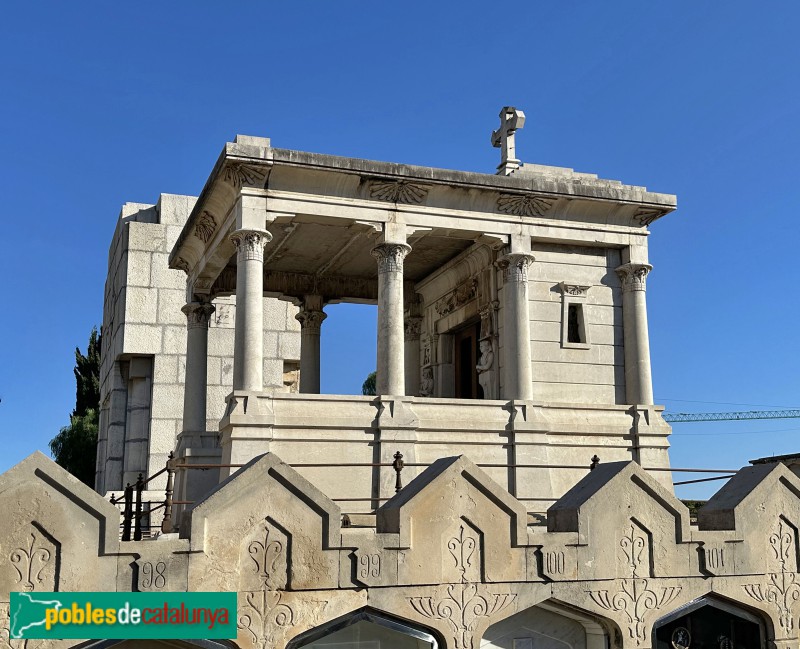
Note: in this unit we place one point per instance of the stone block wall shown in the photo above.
(144, 329)
(452, 555)
(596, 372)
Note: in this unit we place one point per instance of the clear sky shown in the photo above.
(104, 103)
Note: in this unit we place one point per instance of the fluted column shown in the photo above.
(518, 377)
(310, 317)
(390, 378)
(248, 355)
(638, 378)
(198, 315)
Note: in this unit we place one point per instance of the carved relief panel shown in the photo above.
(637, 597)
(263, 562)
(31, 561)
(780, 589)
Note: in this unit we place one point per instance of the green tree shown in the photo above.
(368, 387)
(87, 376)
(75, 446)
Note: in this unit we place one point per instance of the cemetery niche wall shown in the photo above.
(509, 484)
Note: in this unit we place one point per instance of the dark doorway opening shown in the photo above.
(465, 341)
(709, 624)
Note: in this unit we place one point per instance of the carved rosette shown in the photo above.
(413, 327)
(390, 256)
(515, 266)
(311, 320)
(198, 314)
(523, 204)
(781, 589)
(398, 191)
(205, 226)
(636, 598)
(239, 174)
(250, 244)
(633, 276)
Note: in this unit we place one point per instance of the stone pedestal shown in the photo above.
(518, 377)
(390, 378)
(638, 379)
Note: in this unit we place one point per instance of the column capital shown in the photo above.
(310, 320)
(250, 243)
(515, 266)
(198, 314)
(413, 326)
(633, 276)
(390, 256)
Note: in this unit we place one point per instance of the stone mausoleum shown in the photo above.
(508, 486)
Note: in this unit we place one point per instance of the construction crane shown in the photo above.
(743, 415)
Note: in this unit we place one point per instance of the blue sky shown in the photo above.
(105, 103)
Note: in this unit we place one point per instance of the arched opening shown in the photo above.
(365, 629)
(708, 623)
(548, 625)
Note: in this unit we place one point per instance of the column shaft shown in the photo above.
(518, 376)
(310, 317)
(390, 378)
(638, 377)
(196, 380)
(248, 361)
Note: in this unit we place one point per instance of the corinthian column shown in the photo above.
(518, 378)
(310, 317)
(248, 355)
(198, 315)
(638, 379)
(390, 377)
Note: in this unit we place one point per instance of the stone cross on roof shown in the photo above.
(510, 120)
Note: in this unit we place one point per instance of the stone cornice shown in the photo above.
(543, 192)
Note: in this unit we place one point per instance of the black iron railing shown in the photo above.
(134, 512)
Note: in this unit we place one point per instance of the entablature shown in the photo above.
(298, 189)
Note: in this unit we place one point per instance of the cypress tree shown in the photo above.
(75, 446)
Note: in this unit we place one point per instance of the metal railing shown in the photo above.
(133, 511)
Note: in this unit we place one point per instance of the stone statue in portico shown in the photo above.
(426, 384)
(486, 369)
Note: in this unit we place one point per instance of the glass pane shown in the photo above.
(366, 635)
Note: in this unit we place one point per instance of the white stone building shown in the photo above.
(535, 506)
(144, 345)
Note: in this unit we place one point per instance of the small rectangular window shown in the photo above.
(574, 333)
(574, 318)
